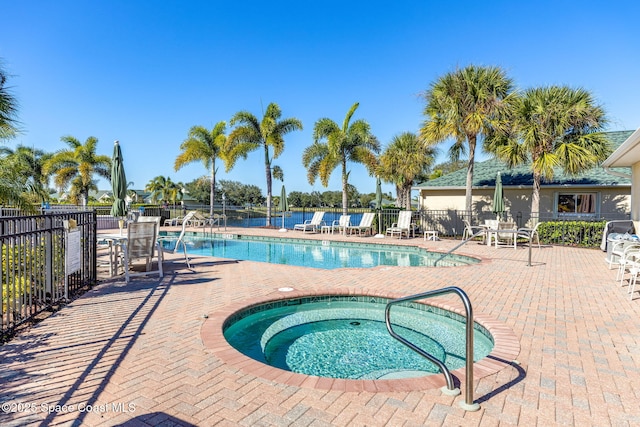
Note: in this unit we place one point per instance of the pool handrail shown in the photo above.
(468, 403)
(464, 242)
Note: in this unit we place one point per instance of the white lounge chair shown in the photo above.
(402, 227)
(141, 243)
(340, 225)
(311, 225)
(366, 224)
(195, 220)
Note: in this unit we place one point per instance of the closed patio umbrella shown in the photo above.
(379, 204)
(498, 199)
(283, 206)
(118, 185)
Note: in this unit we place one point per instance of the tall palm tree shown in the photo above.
(8, 109)
(466, 105)
(334, 146)
(402, 161)
(251, 134)
(204, 146)
(554, 126)
(77, 166)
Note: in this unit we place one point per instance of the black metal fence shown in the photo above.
(35, 263)
(573, 230)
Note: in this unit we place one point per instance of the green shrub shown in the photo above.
(572, 233)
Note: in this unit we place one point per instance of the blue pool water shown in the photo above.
(346, 337)
(314, 253)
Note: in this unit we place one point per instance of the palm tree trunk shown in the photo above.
(535, 196)
(468, 203)
(267, 165)
(345, 177)
(212, 190)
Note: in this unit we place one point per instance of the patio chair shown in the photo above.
(529, 234)
(634, 270)
(311, 225)
(629, 256)
(155, 219)
(339, 225)
(472, 230)
(366, 224)
(140, 244)
(506, 234)
(403, 226)
(171, 244)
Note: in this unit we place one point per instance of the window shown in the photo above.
(576, 204)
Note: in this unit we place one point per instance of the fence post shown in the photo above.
(48, 255)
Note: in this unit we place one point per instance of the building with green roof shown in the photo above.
(594, 194)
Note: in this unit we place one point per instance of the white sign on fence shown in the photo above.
(72, 261)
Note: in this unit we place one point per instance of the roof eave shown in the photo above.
(627, 154)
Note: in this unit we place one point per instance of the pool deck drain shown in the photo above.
(134, 351)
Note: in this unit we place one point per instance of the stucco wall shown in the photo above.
(613, 201)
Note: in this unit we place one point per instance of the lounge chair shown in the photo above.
(311, 225)
(402, 227)
(366, 224)
(140, 244)
(171, 244)
(173, 221)
(196, 220)
(340, 225)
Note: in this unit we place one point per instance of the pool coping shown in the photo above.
(506, 349)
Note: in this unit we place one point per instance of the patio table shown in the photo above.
(114, 242)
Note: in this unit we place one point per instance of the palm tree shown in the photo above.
(164, 189)
(204, 146)
(402, 161)
(77, 166)
(351, 142)
(8, 110)
(27, 163)
(14, 188)
(466, 105)
(251, 134)
(554, 126)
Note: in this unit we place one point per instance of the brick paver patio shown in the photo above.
(142, 354)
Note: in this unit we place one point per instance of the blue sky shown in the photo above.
(144, 72)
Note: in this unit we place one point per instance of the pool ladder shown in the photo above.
(450, 389)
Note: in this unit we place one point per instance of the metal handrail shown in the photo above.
(464, 242)
(468, 403)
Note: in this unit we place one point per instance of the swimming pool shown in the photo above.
(315, 253)
(338, 336)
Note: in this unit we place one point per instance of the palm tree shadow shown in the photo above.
(156, 419)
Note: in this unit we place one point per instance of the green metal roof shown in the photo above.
(484, 173)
